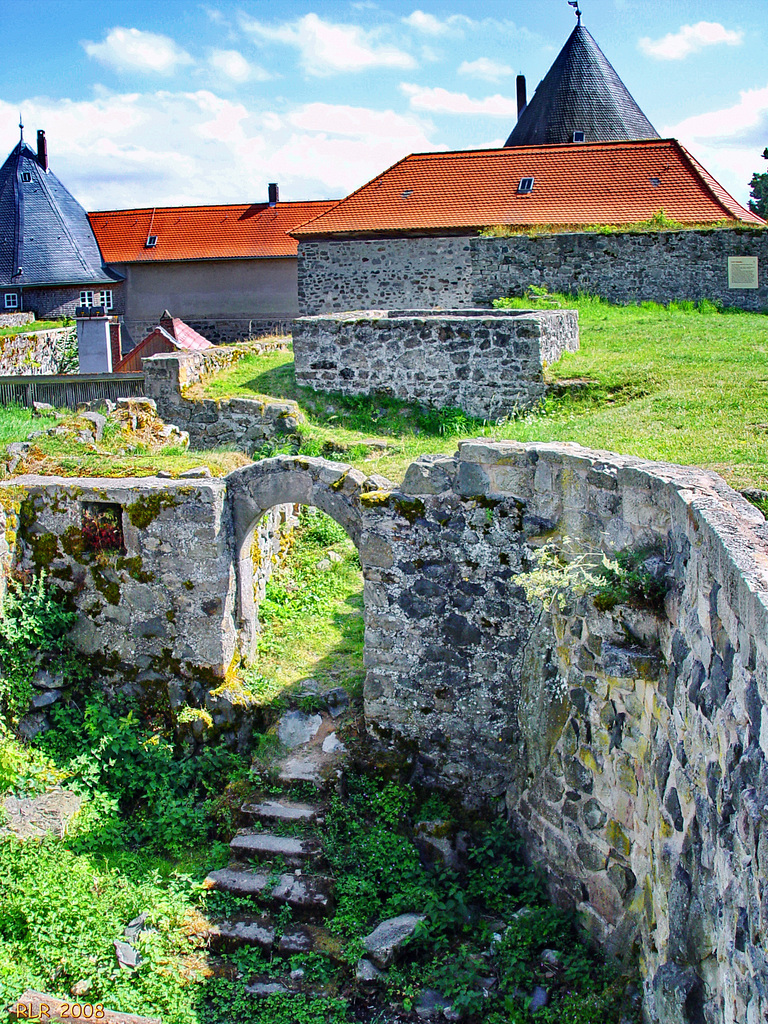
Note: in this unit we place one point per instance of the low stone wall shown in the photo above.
(39, 352)
(245, 422)
(487, 364)
(375, 273)
(16, 319)
(454, 272)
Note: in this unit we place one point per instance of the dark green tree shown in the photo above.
(759, 202)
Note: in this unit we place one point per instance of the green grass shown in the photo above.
(36, 325)
(16, 422)
(312, 617)
(682, 384)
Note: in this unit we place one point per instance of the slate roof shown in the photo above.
(581, 92)
(574, 186)
(43, 229)
(202, 232)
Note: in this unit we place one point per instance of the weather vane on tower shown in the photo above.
(576, 9)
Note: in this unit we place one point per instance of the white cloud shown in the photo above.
(328, 49)
(165, 148)
(433, 26)
(129, 49)
(690, 39)
(728, 142)
(444, 102)
(485, 68)
(233, 65)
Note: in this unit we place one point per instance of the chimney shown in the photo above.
(521, 100)
(274, 193)
(42, 150)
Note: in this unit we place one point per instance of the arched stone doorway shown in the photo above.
(333, 487)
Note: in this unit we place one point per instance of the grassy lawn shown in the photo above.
(679, 384)
(36, 325)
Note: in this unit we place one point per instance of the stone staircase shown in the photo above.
(273, 870)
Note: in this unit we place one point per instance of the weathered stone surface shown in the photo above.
(487, 363)
(282, 810)
(304, 893)
(296, 728)
(387, 939)
(245, 931)
(264, 846)
(430, 1005)
(28, 817)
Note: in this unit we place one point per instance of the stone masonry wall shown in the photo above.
(488, 364)
(629, 747)
(661, 266)
(39, 352)
(432, 273)
(16, 319)
(245, 422)
(451, 273)
(217, 330)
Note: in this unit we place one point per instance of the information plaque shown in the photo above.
(742, 271)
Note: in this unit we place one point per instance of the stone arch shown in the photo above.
(333, 487)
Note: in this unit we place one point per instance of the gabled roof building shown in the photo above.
(228, 271)
(49, 257)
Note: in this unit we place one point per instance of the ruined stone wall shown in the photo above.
(245, 422)
(16, 319)
(629, 747)
(416, 273)
(488, 364)
(160, 612)
(39, 352)
(446, 273)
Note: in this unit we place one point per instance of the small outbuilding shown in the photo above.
(170, 335)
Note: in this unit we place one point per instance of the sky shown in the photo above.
(164, 102)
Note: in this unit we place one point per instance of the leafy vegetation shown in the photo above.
(759, 191)
(658, 222)
(35, 325)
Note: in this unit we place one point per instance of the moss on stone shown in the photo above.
(148, 507)
(618, 838)
(72, 542)
(44, 547)
(409, 508)
(188, 585)
(11, 498)
(133, 567)
(374, 499)
(109, 588)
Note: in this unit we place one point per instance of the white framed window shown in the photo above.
(107, 301)
(11, 300)
(525, 186)
(86, 298)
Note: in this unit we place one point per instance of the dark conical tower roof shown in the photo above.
(581, 93)
(45, 236)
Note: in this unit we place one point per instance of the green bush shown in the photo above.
(34, 628)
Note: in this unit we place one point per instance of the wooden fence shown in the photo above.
(68, 392)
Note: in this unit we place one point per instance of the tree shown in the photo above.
(759, 202)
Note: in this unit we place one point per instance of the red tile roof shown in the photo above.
(170, 335)
(574, 185)
(201, 232)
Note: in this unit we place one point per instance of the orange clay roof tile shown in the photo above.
(201, 232)
(574, 185)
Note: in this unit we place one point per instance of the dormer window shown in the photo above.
(151, 242)
(525, 186)
(26, 176)
(578, 136)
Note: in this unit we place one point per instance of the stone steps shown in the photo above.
(283, 811)
(306, 894)
(263, 846)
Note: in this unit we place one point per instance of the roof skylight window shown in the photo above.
(26, 176)
(655, 182)
(151, 242)
(578, 136)
(525, 186)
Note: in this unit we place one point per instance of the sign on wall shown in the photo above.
(742, 271)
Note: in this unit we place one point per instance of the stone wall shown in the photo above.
(489, 365)
(245, 422)
(16, 319)
(416, 273)
(629, 747)
(455, 272)
(217, 330)
(39, 352)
